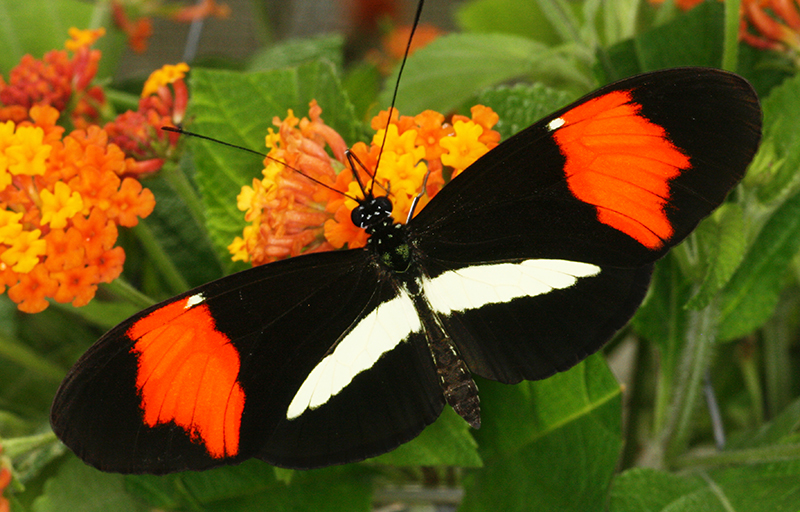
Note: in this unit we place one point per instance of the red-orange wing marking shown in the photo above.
(621, 163)
(188, 373)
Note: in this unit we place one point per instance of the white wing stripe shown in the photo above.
(380, 331)
(479, 285)
(393, 321)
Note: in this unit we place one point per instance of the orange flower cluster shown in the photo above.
(290, 214)
(139, 132)
(61, 79)
(777, 23)
(63, 82)
(61, 200)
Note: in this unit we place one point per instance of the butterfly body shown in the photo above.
(522, 266)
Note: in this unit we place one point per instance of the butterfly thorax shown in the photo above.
(387, 239)
(389, 243)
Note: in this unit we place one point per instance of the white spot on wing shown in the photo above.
(555, 124)
(194, 300)
(476, 286)
(380, 331)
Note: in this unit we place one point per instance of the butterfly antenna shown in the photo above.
(417, 197)
(236, 146)
(354, 160)
(396, 86)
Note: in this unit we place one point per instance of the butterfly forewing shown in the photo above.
(528, 198)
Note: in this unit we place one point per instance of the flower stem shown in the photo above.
(779, 334)
(172, 174)
(160, 259)
(124, 290)
(730, 51)
(667, 355)
(695, 359)
(761, 455)
(122, 100)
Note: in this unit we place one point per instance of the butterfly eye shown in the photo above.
(371, 212)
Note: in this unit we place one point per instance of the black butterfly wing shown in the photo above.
(614, 180)
(206, 378)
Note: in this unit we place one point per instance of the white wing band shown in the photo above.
(392, 322)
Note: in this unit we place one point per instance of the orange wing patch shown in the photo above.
(188, 374)
(621, 163)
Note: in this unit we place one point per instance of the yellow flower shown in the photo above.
(245, 197)
(27, 154)
(83, 38)
(238, 250)
(272, 139)
(166, 75)
(5, 176)
(397, 143)
(463, 148)
(57, 208)
(10, 227)
(24, 253)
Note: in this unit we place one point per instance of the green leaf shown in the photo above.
(776, 166)
(293, 52)
(554, 442)
(362, 83)
(447, 442)
(37, 26)
(619, 19)
(239, 108)
(522, 105)
(77, 486)
(692, 39)
(662, 317)
(641, 489)
(513, 17)
(179, 235)
(755, 488)
(782, 428)
(454, 68)
(254, 486)
(721, 242)
(752, 293)
(758, 487)
(700, 33)
(764, 70)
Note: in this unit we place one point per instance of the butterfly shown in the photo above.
(521, 267)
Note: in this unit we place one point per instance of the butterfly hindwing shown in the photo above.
(535, 336)
(207, 378)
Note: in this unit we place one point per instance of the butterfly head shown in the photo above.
(371, 211)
